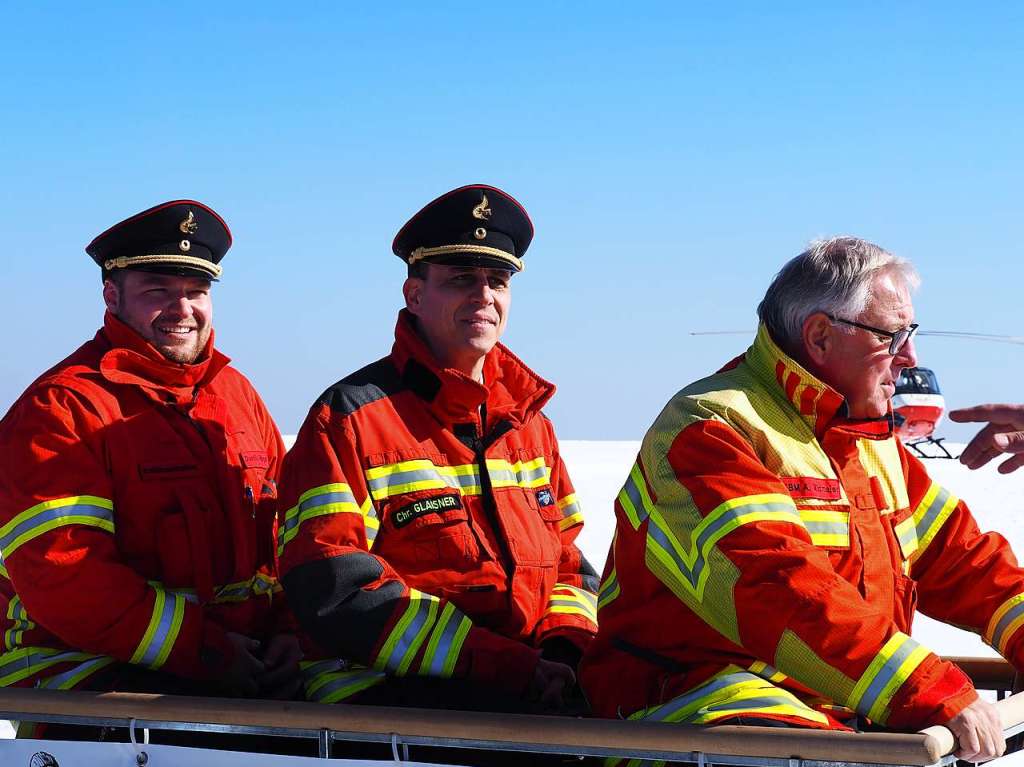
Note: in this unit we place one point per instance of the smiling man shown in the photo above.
(774, 538)
(427, 520)
(137, 491)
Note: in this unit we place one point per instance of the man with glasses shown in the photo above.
(774, 538)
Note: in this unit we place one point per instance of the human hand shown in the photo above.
(978, 731)
(1003, 434)
(551, 681)
(240, 677)
(282, 677)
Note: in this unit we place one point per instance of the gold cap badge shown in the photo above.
(189, 225)
(482, 211)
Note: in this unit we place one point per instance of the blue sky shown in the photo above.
(672, 156)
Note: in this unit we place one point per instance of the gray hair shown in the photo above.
(833, 276)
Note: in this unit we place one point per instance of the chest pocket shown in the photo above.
(422, 505)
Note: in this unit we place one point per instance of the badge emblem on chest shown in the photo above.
(545, 498)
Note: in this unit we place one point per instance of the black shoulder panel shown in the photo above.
(328, 598)
(375, 381)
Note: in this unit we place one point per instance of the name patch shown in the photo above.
(255, 459)
(813, 487)
(433, 505)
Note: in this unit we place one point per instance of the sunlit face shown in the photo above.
(858, 364)
(461, 312)
(173, 313)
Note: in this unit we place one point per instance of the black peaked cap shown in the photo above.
(181, 237)
(475, 225)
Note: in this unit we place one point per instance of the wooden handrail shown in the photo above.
(510, 729)
(986, 673)
(1011, 711)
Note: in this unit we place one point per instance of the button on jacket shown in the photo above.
(137, 504)
(428, 524)
(768, 559)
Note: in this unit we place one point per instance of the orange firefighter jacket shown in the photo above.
(137, 514)
(427, 525)
(768, 559)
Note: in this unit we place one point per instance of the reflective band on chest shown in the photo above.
(437, 504)
(813, 487)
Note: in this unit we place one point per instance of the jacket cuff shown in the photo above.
(491, 659)
(937, 692)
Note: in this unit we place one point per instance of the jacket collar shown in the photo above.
(511, 391)
(130, 359)
(817, 403)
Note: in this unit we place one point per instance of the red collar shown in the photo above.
(511, 391)
(132, 360)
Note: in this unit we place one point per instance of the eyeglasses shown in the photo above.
(897, 339)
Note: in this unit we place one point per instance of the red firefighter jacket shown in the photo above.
(768, 559)
(137, 515)
(427, 524)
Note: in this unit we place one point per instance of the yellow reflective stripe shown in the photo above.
(17, 614)
(423, 474)
(569, 500)
(162, 632)
(609, 590)
(332, 498)
(26, 661)
(765, 671)
(70, 679)
(1005, 622)
(569, 600)
(89, 510)
(689, 565)
(635, 500)
(931, 514)
(408, 635)
(329, 681)
(828, 528)
(886, 673)
(445, 643)
(730, 693)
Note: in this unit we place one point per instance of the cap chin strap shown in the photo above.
(126, 262)
(450, 250)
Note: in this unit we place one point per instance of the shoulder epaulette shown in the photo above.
(373, 382)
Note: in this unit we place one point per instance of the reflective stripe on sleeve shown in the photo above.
(21, 623)
(569, 600)
(162, 632)
(27, 661)
(884, 676)
(634, 498)
(1004, 623)
(917, 531)
(572, 514)
(332, 498)
(332, 681)
(445, 643)
(74, 676)
(610, 589)
(408, 635)
(87, 510)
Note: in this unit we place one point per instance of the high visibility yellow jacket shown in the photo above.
(768, 559)
(428, 524)
(137, 513)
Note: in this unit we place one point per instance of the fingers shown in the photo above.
(981, 449)
(1012, 415)
(1011, 464)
